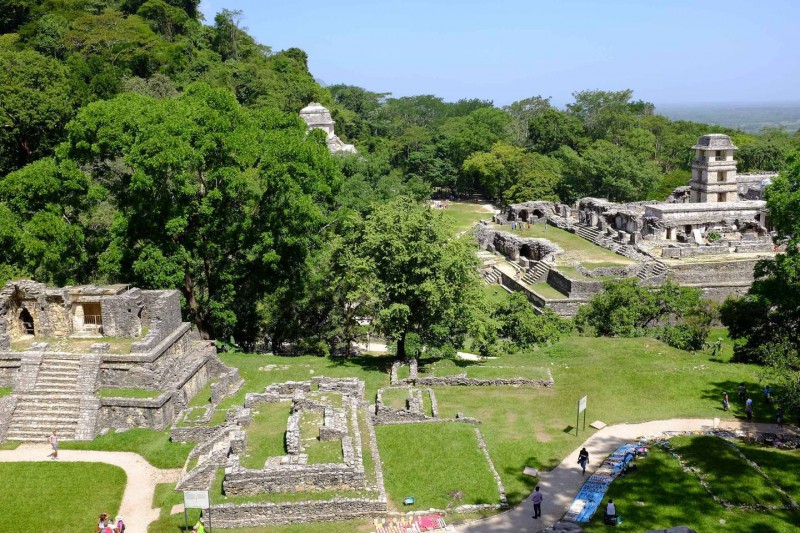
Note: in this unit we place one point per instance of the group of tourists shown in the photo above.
(748, 403)
(107, 525)
(519, 226)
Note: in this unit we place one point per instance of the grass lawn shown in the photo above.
(318, 451)
(464, 215)
(782, 466)
(661, 495)
(573, 273)
(547, 291)
(5, 391)
(165, 497)
(576, 246)
(203, 396)
(729, 476)
(54, 497)
(128, 393)
(503, 367)
(61, 344)
(374, 370)
(154, 446)
(626, 380)
(395, 398)
(496, 295)
(265, 435)
(427, 461)
(10, 444)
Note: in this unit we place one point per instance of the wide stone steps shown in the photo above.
(536, 274)
(491, 276)
(54, 403)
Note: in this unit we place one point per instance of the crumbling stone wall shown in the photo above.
(513, 246)
(161, 314)
(294, 478)
(122, 314)
(272, 514)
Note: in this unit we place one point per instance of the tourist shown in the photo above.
(200, 526)
(583, 459)
(611, 513)
(54, 444)
(767, 393)
(779, 417)
(120, 525)
(748, 409)
(726, 404)
(513, 225)
(537, 503)
(102, 523)
(742, 392)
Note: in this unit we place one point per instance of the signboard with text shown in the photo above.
(195, 499)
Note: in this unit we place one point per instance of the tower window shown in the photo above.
(720, 176)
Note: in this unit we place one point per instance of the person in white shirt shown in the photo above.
(611, 509)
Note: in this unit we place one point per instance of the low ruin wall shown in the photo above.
(462, 380)
(294, 478)
(711, 273)
(271, 514)
(192, 433)
(676, 252)
(124, 413)
(574, 288)
(7, 405)
(9, 366)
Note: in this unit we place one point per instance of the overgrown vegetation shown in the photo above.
(675, 314)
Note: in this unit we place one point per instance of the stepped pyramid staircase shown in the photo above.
(61, 387)
(537, 274)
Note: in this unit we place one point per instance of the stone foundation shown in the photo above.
(272, 514)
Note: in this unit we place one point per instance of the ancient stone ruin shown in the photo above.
(709, 234)
(318, 117)
(65, 351)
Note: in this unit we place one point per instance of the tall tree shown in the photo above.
(429, 282)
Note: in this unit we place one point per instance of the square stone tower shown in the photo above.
(714, 170)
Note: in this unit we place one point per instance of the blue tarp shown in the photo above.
(595, 488)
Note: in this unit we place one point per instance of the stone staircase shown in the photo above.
(652, 269)
(53, 403)
(536, 274)
(491, 276)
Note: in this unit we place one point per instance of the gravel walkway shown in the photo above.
(560, 485)
(137, 501)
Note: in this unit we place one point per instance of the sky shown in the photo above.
(668, 52)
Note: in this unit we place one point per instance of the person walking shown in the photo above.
(742, 392)
(583, 459)
(537, 503)
(748, 409)
(54, 444)
(726, 404)
(779, 417)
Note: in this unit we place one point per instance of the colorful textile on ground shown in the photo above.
(409, 524)
(592, 492)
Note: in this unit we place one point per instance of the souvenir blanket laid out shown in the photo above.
(595, 488)
(409, 524)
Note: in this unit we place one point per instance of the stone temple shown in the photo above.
(709, 234)
(72, 355)
(318, 117)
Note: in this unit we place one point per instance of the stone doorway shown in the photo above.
(27, 322)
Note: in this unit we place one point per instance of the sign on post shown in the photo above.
(196, 499)
(581, 409)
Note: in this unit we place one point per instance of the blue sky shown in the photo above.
(505, 50)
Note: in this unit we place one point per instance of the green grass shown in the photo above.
(495, 294)
(547, 291)
(5, 391)
(153, 445)
(781, 466)
(573, 273)
(373, 370)
(265, 435)
(626, 380)
(77, 345)
(128, 393)
(10, 445)
(464, 215)
(576, 246)
(52, 496)
(661, 495)
(165, 497)
(395, 398)
(203, 396)
(504, 367)
(318, 451)
(729, 476)
(427, 461)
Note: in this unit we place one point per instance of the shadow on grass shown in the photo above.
(762, 410)
(366, 363)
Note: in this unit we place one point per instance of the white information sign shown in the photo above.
(195, 499)
(582, 405)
